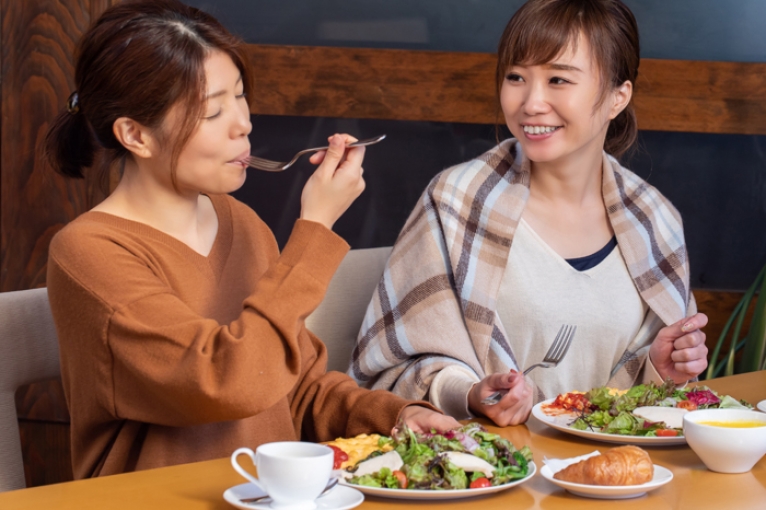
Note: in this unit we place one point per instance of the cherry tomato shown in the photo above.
(687, 404)
(480, 483)
(340, 457)
(666, 432)
(401, 478)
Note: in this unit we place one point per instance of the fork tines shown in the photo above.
(561, 343)
(264, 164)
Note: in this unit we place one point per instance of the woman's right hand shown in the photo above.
(335, 184)
(513, 408)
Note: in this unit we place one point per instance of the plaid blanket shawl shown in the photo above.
(435, 303)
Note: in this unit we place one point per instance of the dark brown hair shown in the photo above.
(138, 60)
(542, 29)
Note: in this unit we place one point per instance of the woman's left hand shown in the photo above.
(679, 351)
(421, 419)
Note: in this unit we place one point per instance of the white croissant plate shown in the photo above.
(661, 477)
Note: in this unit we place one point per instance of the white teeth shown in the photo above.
(539, 130)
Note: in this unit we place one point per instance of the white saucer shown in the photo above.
(340, 498)
(761, 406)
(661, 477)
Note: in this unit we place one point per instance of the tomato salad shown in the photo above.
(609, 411)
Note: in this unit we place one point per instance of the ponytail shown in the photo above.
(69, 146)
(622, 132)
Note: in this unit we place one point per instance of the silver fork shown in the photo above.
(278, 166)
(553, 357)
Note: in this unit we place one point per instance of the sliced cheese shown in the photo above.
(391, 460)
(471, 463)
(673, 417)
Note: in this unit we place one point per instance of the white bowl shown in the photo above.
(726, 449)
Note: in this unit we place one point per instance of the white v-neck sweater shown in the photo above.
(540, 291)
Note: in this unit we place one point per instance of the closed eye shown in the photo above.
(209, 117)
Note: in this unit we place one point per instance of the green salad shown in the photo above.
(433, 461)
(612, 413)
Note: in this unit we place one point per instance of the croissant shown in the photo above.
(624, 465)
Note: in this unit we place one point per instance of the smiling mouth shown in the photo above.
(539, 130)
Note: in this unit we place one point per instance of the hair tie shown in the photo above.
(73, 103)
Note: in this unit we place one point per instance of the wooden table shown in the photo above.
(200, 485)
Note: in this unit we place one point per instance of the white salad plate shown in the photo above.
(446, 494)
(761, 406)
(661, 477)
(339, 498)
(561, 422)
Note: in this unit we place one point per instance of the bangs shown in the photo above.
(541, 41)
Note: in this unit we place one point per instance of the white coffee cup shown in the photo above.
(292, 473)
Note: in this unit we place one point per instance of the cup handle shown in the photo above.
(241, 471)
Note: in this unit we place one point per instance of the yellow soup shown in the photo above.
(741, 424)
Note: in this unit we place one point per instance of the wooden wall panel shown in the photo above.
(671, 95)
(38, 38)
(702, 97)
(372, 83)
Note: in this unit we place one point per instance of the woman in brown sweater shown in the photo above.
(181, 325)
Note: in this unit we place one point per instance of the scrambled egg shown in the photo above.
(615, 392)
(359, 448)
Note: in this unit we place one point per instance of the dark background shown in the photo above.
(717, 181)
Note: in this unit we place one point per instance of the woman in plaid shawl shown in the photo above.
(544, 229)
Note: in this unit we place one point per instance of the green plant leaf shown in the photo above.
(713, 369)
(754, 343)
(752, 356)
(735, 339)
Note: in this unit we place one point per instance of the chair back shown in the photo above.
(29, 352)
(337, 320)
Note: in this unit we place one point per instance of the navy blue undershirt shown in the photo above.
(585, 263)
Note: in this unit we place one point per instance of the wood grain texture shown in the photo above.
(46, 452)
(38, 39)
(43, 401)
(701, 97)
(671, 95)
(373, 83)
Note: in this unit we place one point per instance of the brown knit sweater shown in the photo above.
(170, 357)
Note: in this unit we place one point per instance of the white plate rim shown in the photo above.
(558, 423)
(253, 491)
(436, 495)
(761, 406)
(662, 476)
